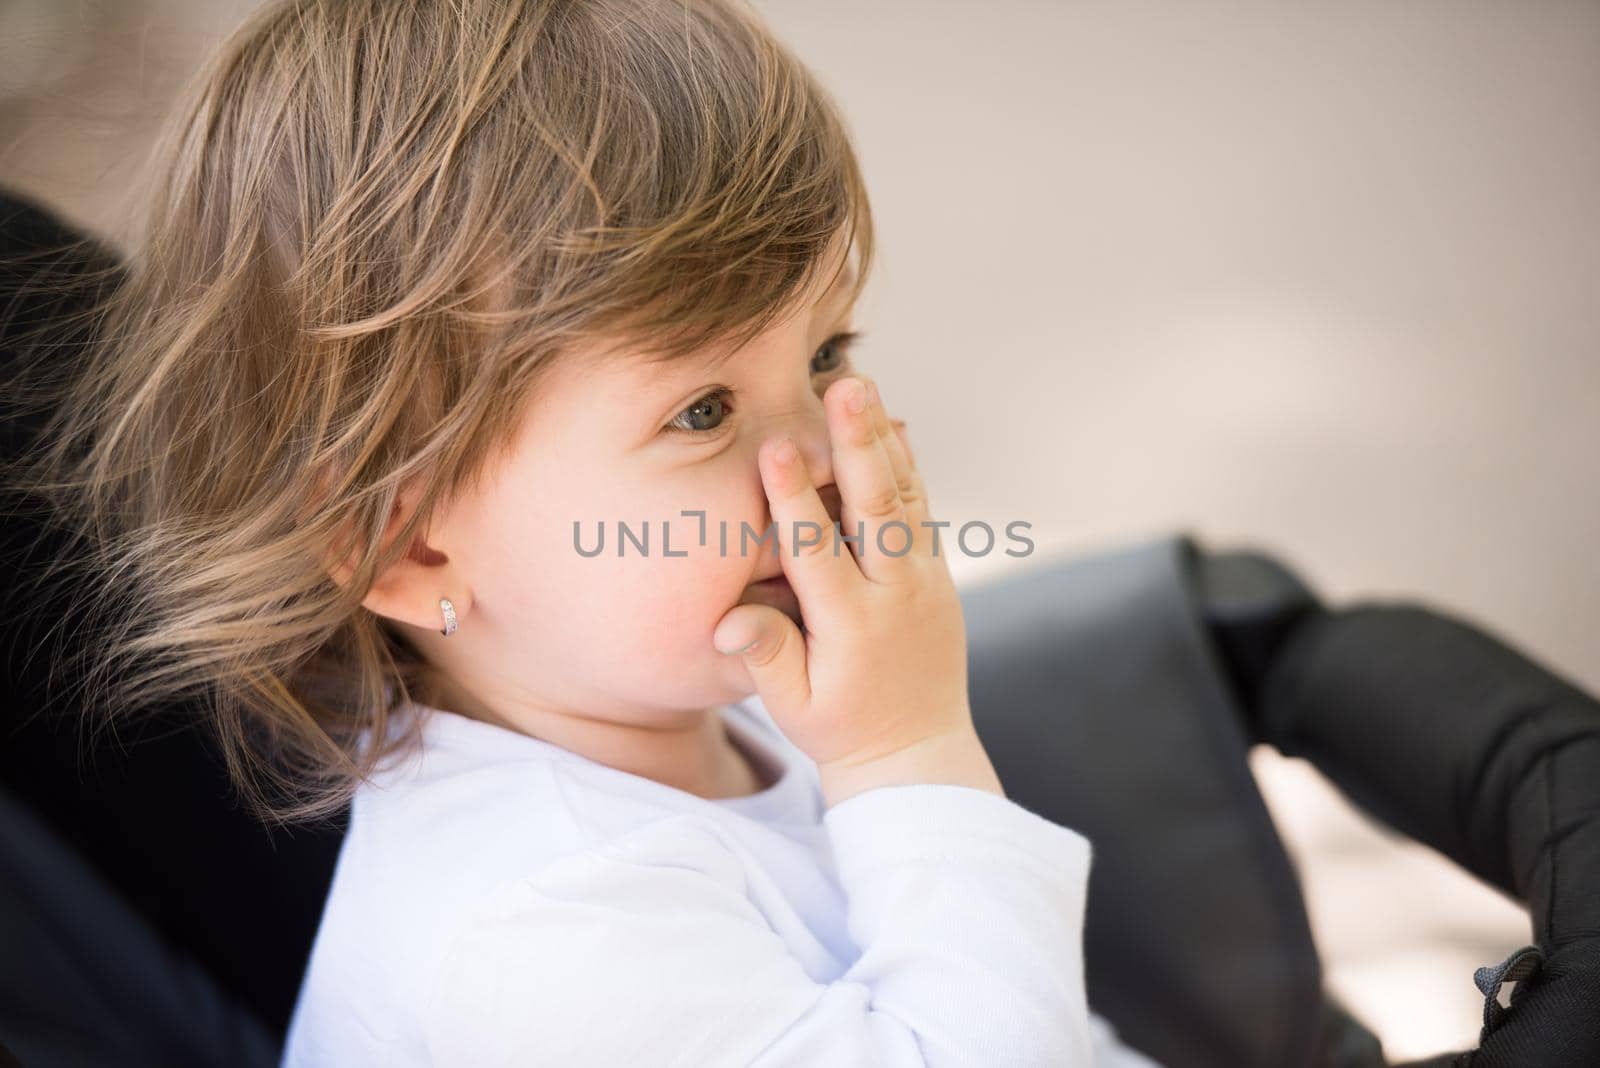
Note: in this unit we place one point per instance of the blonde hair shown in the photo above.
(373, 226)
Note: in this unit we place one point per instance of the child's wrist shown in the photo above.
(955, 758)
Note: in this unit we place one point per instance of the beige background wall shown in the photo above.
(1321, 276)
(1317, 277)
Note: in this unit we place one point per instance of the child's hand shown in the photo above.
(875, 691)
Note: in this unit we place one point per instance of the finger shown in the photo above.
(903, 436)
(824, 581)
(913, 493)
(774, 652)
(868, 491)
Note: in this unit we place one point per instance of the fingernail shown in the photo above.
(785, 452)
(855, 397)
(872, 392)
(742, 649)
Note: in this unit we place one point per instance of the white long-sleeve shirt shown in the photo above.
(500, 900)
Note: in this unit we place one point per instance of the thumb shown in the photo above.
(774, 652)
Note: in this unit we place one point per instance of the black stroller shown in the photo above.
(1118, 693)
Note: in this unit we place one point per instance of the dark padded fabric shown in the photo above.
(1451, 735)
(1251, 603)
(87, 982)
(1105, 708)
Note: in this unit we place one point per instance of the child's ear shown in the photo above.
(409, 589)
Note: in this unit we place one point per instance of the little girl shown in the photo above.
(432, 297)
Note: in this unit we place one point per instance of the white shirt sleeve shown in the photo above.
(647, 950)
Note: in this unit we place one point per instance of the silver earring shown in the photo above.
(449, 616)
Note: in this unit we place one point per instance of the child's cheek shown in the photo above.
(659, 589)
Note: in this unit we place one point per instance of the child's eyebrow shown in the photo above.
(648, 383)
(708, 362)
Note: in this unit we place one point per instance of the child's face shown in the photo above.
(627, 636)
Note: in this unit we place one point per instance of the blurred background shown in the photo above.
(1320, 278)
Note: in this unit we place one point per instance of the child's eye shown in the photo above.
(834, 352)
(706, 415)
